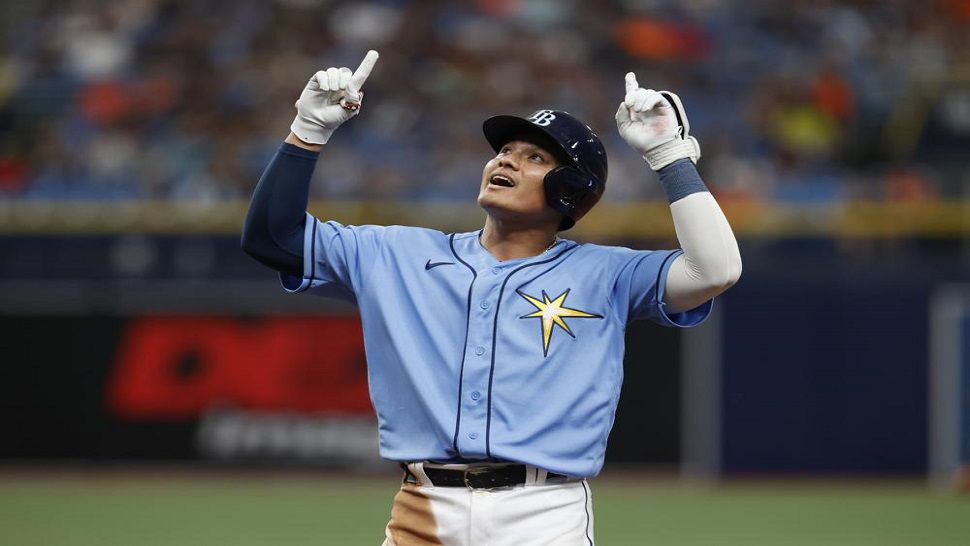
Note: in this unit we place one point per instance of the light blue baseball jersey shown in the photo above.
(473, 358)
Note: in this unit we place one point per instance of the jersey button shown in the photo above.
(496, 271)
(473, 435)
(484, 304)
(479, 350)
(476, 395)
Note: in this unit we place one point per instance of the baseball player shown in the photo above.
(495, 357)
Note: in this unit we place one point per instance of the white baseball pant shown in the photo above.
(532, 514)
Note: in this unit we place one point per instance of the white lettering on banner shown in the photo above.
(227, 434)
(542, 117)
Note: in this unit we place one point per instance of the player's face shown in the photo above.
(512, 182)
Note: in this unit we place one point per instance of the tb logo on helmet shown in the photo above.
(542, 118)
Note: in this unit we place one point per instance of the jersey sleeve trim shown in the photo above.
(684, 319)
(292, 283)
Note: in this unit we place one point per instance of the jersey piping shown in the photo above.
(464, 349)
(491, 371)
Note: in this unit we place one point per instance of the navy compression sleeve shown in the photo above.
(273, 230)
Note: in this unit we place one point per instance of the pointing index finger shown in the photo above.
(631, 82)
(363, 71)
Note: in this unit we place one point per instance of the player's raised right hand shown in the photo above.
(655, 124)
(331, 97)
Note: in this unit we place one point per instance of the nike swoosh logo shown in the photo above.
(432, 265)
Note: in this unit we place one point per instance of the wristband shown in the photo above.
(680, 179)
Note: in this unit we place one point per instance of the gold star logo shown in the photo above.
(552, 314)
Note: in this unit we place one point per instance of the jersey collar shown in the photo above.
(468, 248)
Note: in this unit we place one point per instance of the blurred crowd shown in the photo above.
(792, 101)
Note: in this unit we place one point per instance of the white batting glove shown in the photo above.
(331, 97)
(655, 124)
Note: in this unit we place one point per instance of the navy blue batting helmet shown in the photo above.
(578, 182)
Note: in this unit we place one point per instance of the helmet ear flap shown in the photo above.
(571, 193)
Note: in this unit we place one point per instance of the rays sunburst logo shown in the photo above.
(551, 313)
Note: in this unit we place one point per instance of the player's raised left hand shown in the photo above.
(331, 97)
(655, 124)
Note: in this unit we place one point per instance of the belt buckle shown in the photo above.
(474, 472)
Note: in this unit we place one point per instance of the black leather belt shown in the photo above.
(482, 477)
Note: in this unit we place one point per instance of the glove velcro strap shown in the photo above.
(671, 151)
(310, 132)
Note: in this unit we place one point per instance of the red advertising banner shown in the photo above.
(177, 367)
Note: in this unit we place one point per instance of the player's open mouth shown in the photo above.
(501, 180)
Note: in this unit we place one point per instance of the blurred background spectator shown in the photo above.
(805, 101)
